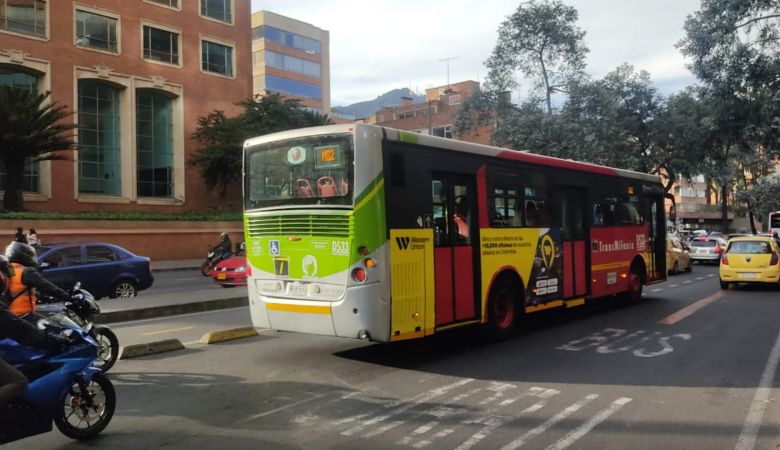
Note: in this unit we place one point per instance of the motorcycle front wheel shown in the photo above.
(84, 414)
(109, 349)
(206, 269)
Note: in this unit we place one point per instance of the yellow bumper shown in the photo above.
(765, 275)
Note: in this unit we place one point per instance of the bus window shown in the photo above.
(617, 212)
(502, 204)
(441, 230)
(461, 215)
(537, 214)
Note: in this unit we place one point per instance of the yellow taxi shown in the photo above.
(677, 256)
(750, 259)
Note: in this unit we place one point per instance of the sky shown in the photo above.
(377, 46)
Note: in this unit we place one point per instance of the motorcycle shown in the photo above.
(81, 312)
(64, 389)
(211, 262)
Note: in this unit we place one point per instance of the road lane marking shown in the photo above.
(674, 285)
(699, 278)
(132, 323)
(166, 331)
(588, 426)
(440, 434)
(281, 408)
(710, 275)
(690, 309)
(687, 282)
(747, 439)
(656, 290)
(433, 393)
(517, 443)
(187, 279)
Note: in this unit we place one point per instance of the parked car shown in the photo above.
(751, 259)
(677, 256)
(231, 272)
(105, 270)
(707, 249)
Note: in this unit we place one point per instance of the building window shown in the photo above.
(217, 58)
(291, 87)
(96, 31)
(287, 39)
(445, 131)
(23, 16)
(154, 119)
(161, 45)
(171, 3)
(99, 140)
(27, 82)
(292, 64)
(414, 113)
(217, 9)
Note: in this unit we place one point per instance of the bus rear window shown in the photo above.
(750, 247)
(704, 243)
(774, 220)
(305, 171)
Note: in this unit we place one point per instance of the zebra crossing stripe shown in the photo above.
(519, 442)
(586, 427)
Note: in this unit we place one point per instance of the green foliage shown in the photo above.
(31, 129)
(541, 40)
(763, 198)
(191, 216)
(219, 158)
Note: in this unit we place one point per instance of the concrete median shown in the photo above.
(154, 312)
(228, 335)
(150, 348)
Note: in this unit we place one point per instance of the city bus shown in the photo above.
(366, 232)
(774, 223)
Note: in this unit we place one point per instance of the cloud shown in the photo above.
(378, 46)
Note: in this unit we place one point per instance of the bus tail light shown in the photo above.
(724, 259)
(360, 275)
(370, 263)
(363, 251)
(773, 262)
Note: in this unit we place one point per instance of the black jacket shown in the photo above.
(32, 278)
(19, 330)
(223, 247)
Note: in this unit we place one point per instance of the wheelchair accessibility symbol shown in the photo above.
(273, 248)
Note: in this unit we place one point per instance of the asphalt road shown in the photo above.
(686, 368)
(171, 282)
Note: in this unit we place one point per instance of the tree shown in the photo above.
(31, 130)
(763, 198)
(541, 40)
(733, 47)
(219, 159)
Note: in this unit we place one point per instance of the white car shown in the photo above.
(707, 249)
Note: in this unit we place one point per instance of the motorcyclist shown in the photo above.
(27, 279)
(224, 248)
(12, 382)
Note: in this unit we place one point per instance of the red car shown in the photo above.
(231, 272)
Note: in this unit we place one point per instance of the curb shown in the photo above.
(150, 348)
(228, 335)
(155, 312)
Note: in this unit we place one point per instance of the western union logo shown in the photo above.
(415, 243)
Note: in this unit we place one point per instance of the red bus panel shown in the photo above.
(442, 262)
(464, 283)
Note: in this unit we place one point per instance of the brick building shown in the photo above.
(139, 73)
(291, 58)
(437, 116)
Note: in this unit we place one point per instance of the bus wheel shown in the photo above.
(503, 309)
(635, 285)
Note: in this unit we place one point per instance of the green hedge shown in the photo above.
(202, 216)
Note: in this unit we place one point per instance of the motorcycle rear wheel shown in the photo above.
(109, 349)
(206, 269)
(74, 411)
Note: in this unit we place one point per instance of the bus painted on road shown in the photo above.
(361, 231)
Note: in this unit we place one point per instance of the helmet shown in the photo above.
(6, 272)
(22, 254)
(225, 236)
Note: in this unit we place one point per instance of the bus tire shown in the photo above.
(504, 308)
(636, 282)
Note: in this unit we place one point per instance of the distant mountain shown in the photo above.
(368, 108)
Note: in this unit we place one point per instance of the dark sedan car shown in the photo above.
(104, 270)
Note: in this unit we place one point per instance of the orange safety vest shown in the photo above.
(22, 297)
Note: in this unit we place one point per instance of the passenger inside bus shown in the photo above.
(461, 217)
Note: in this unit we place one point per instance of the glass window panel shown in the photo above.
(99, 138)
(161, 45)
(96, 31)
(155, 149)
(99, 254)
(217, 58)
(24, 16)
(217, 9)
(23, 81)
(172, 3)
(293, 87)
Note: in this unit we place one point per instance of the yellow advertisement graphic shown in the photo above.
(413, 287)
(548, 251)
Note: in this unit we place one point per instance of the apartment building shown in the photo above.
(291, 58)
(138, 74)
(437, 116)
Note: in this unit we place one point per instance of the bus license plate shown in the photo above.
(749, 275)
(298, 289)
(222, 276)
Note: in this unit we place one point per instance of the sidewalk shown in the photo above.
(179, 265)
